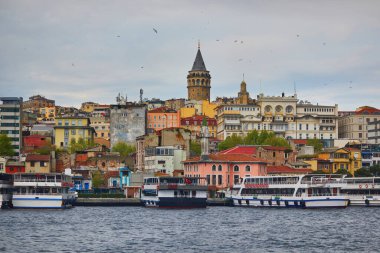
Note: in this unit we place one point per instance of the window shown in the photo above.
(208, 179)
(247, 168)
(236, 168)
(274, 154)
(213, 179)
(42, 164)
(73, 132)
(220, 179)
(236, 179)
(32, 164)
(220, 168)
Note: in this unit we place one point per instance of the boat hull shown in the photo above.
(5, 200)
(45, 201)
(317, 202)
(364, 201)
(168, 202)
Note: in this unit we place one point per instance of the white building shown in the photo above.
(164, 159)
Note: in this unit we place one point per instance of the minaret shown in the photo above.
(204, 140)
(198, 79)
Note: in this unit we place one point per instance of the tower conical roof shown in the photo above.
(199, 63)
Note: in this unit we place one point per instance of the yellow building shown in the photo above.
(194, 108)
(343, 159)
(68, 128)
(47, 114)
(37, 163)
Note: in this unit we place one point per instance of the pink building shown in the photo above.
(224, 170)
(163, 117)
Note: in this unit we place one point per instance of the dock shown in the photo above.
(135, 202)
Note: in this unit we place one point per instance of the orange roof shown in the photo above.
(367, 110)
(37, 158)
(286, 170)
(227, 158)
(250, 150)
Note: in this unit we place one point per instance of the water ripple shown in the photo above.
(214, 229)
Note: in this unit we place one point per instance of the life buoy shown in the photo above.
(360, 186)
(366, 186)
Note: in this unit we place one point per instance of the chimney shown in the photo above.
(283, 94)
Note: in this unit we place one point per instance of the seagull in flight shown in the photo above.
(155, 30)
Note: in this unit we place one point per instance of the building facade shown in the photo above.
(224, 170)
(162, 117)
(72, 128)
(128, 121)
(10, 121)
(355, 125)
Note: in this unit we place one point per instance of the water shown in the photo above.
(214, 229)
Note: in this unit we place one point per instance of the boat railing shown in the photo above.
(37, 180)
(33, 193)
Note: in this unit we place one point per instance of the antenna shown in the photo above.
(243, 77)
(295, 90)
(141, 95)
(199, 44)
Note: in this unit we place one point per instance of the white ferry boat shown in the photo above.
(46, 190)
(362, 191)
(5, 190)
(174, 192)
(302, 191)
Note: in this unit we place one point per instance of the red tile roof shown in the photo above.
(37, 158)
(286, 170)
(274, 148)
(299, 141)
(250, 150)
(227, 158)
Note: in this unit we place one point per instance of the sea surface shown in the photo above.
(214, 229)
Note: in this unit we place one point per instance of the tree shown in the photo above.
(363, 172)
(316, 143)
(195, 148)
(343, 172)
(6, 148)
(46, 149)
(375, 170)
(80, 145)
(230, 141)
(254, 138)
(124, 149)
(98, 179)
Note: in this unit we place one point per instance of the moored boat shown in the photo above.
(5, 190)
(174, 192)
(362, 191)
(42, 190)
(301, 191)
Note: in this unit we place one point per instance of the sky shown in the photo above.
(77, 51)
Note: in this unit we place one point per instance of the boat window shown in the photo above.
(54, 190)
(46, 190)
(23, 190)
(193, 194)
